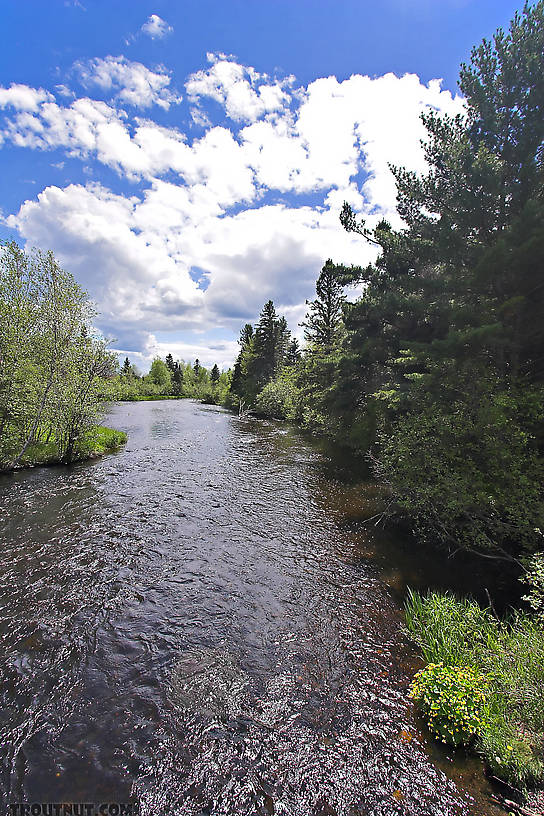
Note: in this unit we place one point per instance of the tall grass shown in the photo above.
(93, 442)
(510, 653)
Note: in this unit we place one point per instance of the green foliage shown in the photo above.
(51, 364)
(279, 398)
(465, 470)
(160, 375)
(534, 578)
(510, 655)
(324, 319)
(168, 379)
(99, 440)
(263, 353)
(453, 700)
(94, 442)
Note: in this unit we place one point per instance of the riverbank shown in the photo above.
(92, 444)
(152, 398)
(482, 685)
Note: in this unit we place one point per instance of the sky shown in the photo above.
(186, 161)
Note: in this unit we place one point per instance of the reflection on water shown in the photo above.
(203, 622)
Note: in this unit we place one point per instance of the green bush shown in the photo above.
(466, 473)
(93, 442)
(534, 578)
(454, 701)
(455, 633)
(278, 398)
(99, 440)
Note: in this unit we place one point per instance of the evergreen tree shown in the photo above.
(177, 379)
(170, 363)
(293, 354)
(270, 346)
(215, 374)
(239, 373)
(324, 318)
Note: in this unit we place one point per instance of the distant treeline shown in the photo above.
(168, 378)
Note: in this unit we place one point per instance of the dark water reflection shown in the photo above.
(201, 622)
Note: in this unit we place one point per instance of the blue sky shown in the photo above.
(188, 160)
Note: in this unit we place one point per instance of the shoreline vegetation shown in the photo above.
(482, 683)
(434, 376)
(93, 443)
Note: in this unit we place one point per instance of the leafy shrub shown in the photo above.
(454, 701)
(455, 632)
(534, 578)
(99, 440)
(278, 398)
(465, 472)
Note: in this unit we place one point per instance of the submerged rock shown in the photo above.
(209, 682)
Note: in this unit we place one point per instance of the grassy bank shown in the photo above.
(483, 682)
(152, 398)
(94, 442)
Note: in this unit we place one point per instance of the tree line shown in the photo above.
(168, 378)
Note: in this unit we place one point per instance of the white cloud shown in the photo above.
(341, 128)
(335, 131)
(224, 208)
(136, 278)
(245, 94)
(135, 254)
(156, 28)
(22, 97)
(133, 83)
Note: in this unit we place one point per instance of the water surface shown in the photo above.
(203, 623)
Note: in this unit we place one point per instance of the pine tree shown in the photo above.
(215, 374)
(293, 354)
(324, 317)
(239, 372)
(270, 345)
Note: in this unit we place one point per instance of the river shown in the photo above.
(202, 622)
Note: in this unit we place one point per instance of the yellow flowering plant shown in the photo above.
(454, 701)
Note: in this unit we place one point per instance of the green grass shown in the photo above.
(94, 442)
(510, 654)
(99, 440)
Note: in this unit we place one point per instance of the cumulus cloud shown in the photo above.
(23, 97)
(136, 278)
(130, 82)
(156, 28)
(245, 94)
(221, 222)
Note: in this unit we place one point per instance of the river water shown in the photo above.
(202, 623)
